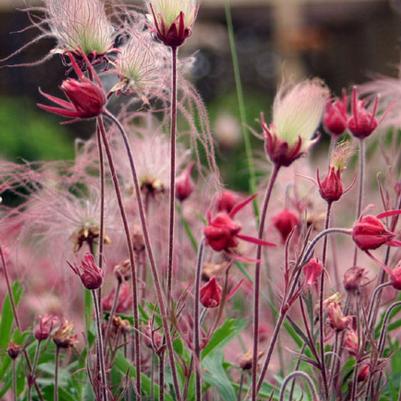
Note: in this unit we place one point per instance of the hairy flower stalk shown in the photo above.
(149, 250)
(297, 112)
(130, 253)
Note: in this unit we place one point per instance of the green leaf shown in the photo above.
(7, 316)
(216, 376)
(224, 334)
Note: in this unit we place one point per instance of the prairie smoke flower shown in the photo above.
(211, 294)
(65, 337)
(223, 234)
(362, 122)
(370, 233)
(335, 118)
(285, 221)
(226, 200)
(351, 342)
(13, 350)
(336, 318)
(184, 185)
(364, 372)
(80, 25)
(312, 271)
(89, 272)
(86, 98)
(153, 339)
(172, 20)
(138, 64)
(124, 299)
(297, 112)
(354, 278)
(45, 326)
(395, 277)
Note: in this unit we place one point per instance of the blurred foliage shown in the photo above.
(29, 134)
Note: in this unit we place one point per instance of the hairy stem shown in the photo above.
(293, 376)
(130, 252)
(362, 157)
(14, 364)
(34, 364)
(56, 368)
(198, 379)
(149, 250)
(161, 377)
(173, 148)
(112, 312)
(256, 293)
(102, 363)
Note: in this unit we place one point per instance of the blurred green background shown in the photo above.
(343, 42)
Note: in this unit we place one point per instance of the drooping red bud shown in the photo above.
(45, 326)
(395, 277)
(89, 272)
(227, 200)
(153, 339)
(124, 299)
(335, 117)
(336, 318)
(353, 278)
(285, 221)
(331, 188)
(211, 294)
(362, 122)
(370, 233)
(13, 350)
(184, 185)
(351, 342)
(312, 271)
(363, 372)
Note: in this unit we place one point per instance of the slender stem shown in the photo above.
(241, 385)
(161, 377)
(198, 379)
(256, 300)
(14, 380)
(16, 319)
(56, 368)
(103, 377)
(288, 298)
(113, 311)
(321, 299)
(376, 293)
(130, 252)
(155, 275)
(32, 374)
(173, 148)
(241, 105)
(293, 376)
(362, 156)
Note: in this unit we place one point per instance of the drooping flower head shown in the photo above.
(370, 233)
(336, 117)
(45, 326)
(312, 271)
(285, 221)
(172, 20)
(184, 186)
(65, 337)
(223, 233)
(87, 98)
(211, 294)
(226, 200)
(363, 122)
(297, 113)
(89, 272)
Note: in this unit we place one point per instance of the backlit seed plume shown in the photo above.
(76, 25)
(172, 19)
(138, 66)
(297, 113)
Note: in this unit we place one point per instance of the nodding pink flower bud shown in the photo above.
(153, 339)
(312, 271)
(362, 122)
(370, 233)
(363, 372)
(44, 327)
(227, 200)
(173, 19)
(351, 342)
(336, 318)
(89, 272)
(211, 294)
(335, 117)
(87, 98)
(331, 188)
(184, 185)
(353, 278)
(223, 234)
(13, 350)
(124, 299)
(64, 337)
(395, 277)
(285, 221)
(297, 113)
